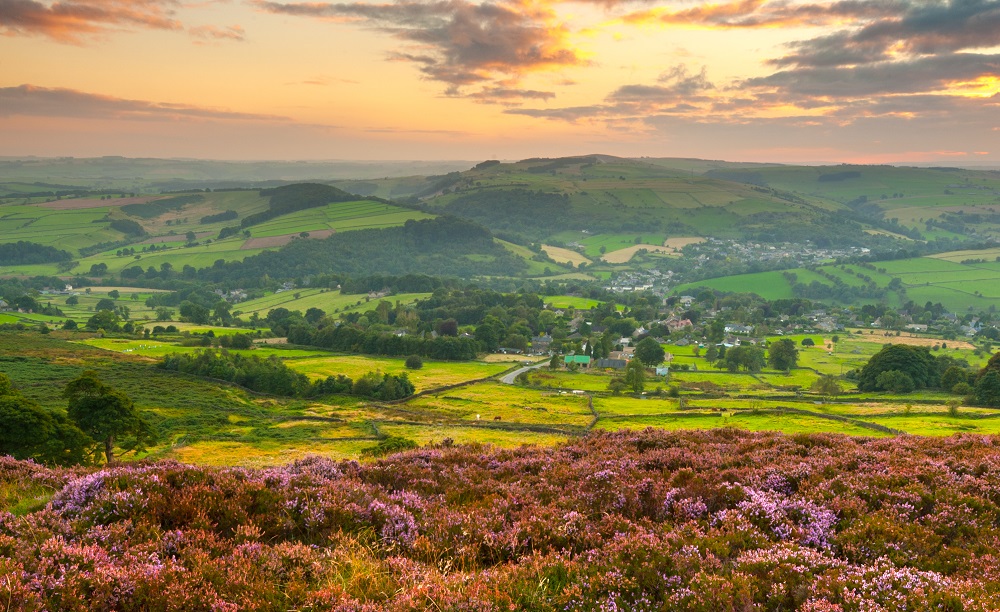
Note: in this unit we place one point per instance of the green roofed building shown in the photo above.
(582, 360)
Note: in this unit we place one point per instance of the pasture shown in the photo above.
(215, 423)
(329, 300)
(339, 217)
(939, 278)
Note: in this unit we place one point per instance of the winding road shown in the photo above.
(509, 379)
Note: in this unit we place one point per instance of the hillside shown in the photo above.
(937, 202)
(723, 520)
(572, 200)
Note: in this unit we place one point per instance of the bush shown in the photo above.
(389, 445)
(414, 362)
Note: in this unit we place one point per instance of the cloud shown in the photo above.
(29, 100)
(210, 32)
(763, 14)
(75, 21)
(68, 21)
(458, 42)
(913, 29)
(924, 74)
(508, 95)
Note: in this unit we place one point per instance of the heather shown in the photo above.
(651, 520)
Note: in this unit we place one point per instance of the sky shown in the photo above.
(844, 81)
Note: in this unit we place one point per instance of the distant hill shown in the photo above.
(567, 199)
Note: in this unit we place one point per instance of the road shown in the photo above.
(509, 379)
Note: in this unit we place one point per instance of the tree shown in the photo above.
(649, 352)
(191, 237)
(896, 381)
(712, 353)
(747, 358)
(783, 355)
(414, 362)
(914, 361)
(635, 376)
(952, 376)
(105, 304)
(106, 414)
(987, 388)
(241, 341)
(827, 385)
(104, 319)
(114, 294)
(28, 431)
(808, 342)
(448, 327)
(72, 300)
(616, 386)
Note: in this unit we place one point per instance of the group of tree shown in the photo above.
(901, 368)
(447, 245)
(292, 198)
(747, 358)
(27, 253)
(271, 375)
(99, 420)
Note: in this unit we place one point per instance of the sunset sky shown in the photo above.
(793, 81)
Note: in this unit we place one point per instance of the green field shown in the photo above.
(328, 300)
(208, 422)
(340, 216)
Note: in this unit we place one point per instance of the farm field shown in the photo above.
(213, 423)
(562, 255)
(340, 217)
(328, 300)
(433, 374)
(940, 278)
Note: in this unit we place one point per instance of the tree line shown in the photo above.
(271, 375)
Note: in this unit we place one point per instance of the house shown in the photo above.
(663, 370)
(614, 364)
(540, 344)
(675, 324)
(622, 355)
(581, 360)
(739, 329)
(509, 351)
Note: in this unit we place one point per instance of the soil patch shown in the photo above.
(267, 242)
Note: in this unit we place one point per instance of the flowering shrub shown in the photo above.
(652, 520)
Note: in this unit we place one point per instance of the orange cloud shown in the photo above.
(69, 21)
(459, 42)
(30, 100)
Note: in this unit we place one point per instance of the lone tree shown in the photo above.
(827, 385)
(649, 352)
(106, 414)
(635, 376)
(783, 355)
